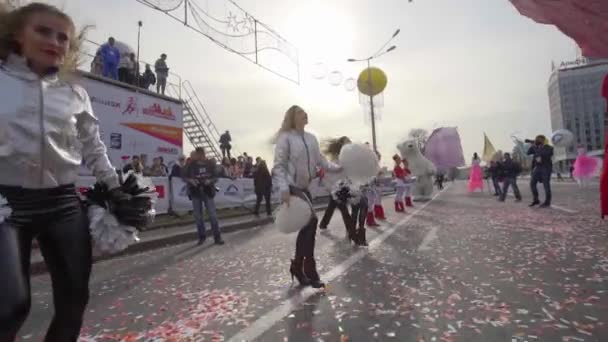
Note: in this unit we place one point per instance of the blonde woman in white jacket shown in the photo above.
(47, 128)
(297, 158)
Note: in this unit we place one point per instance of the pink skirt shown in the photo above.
(585, 167)
(476, 178)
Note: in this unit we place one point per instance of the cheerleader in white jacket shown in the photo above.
(47, 127)
(297, 157)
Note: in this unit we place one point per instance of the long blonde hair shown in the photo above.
(14, 20)
(332, 147)
(289, 121)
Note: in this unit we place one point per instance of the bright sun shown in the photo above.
(323, 34)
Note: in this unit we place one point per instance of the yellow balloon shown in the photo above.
(377, 83)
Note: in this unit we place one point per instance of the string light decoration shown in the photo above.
(234, 29)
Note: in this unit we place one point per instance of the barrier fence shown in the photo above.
(172, 195)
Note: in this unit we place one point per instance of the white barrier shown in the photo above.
(232, 194)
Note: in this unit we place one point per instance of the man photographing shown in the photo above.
(542, 167)
(201, 176)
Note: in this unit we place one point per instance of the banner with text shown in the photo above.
(134, 122)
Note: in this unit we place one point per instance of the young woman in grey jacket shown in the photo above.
(297, 158)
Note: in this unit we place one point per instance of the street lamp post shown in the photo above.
(139, 25)
(378, 53)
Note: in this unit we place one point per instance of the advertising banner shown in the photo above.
(133, 122)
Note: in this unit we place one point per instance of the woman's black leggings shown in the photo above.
(305, 242)
(56, 219)
(360, 213)
(329, 212)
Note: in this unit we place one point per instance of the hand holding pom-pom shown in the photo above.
(344, 192)
(293, 215)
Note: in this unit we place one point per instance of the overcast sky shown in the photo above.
(475, 64)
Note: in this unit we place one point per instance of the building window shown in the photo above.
(589, 147)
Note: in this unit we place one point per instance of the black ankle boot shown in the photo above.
(297, 270)
(310, 270)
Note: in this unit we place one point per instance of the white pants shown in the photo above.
(402, 191)
(373, 198)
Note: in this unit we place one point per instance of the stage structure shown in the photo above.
(234, 29)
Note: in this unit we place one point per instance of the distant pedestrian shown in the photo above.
(148, 78)
(542, 168)
(262, 183)
(510, 169)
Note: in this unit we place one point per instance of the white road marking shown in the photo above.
(428, 238)
(268, 320)
(566, 210)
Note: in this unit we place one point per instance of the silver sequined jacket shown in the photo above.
(296, 159)
(47, 128)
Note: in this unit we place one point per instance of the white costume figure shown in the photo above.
(422, 168)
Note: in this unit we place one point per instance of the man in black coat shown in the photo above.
(510, 169)
(542, 167)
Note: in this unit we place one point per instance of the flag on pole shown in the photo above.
(488, 149)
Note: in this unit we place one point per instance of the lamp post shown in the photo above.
(139, 25)
(380, 52)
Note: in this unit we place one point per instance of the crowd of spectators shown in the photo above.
(243, 166)
(110, 63)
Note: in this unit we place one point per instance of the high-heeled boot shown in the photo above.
(361, 239)
(379, 211)
(310, 271)
(371, 221)
(297, 271)
(408, 201)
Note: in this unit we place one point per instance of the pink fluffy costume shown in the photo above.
(476, 177)
(585, 167)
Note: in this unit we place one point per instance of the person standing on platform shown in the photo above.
(162, 73)
(111, 59)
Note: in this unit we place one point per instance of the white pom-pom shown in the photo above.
(290, 219)
(360, 163)
(109, 236)
(562, 138)
(5, 210)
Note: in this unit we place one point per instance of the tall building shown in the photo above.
(576, 104)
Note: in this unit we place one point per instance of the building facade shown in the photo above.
(576, 104)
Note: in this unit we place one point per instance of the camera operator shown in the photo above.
(542, 167)
(201, 176)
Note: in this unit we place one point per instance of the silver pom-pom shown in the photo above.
(345, 192)
(5, 210)
(109, 236)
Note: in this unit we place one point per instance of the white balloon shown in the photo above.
(335, 78)
(562, 138)
(360, 163)
(290, 219)
(319, 71)
(350, 84)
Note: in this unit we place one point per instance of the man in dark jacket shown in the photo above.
(494, 172)
(262, 183)
(201, 175)
(510, 169)
(542, 167)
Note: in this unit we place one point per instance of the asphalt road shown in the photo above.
(462, 267)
